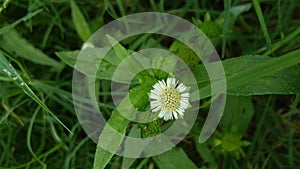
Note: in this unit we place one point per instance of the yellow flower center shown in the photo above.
(169, 99)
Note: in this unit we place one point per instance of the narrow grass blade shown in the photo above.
(262, 23)
(282, 42)
(7, 69)
(23, 19)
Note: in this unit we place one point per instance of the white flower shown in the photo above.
(169, 98)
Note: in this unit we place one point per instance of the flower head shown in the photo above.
(169, 98)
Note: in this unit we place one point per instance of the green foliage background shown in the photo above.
(258, 42)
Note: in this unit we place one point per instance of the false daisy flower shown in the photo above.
(169, 98)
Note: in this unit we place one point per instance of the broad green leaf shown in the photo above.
(7, 69)
(108, 138)
(134, 132)
(120, 51)
(68, 57)
(237, 114)
(174, 159)
(93, 57)
(12, 42)
(141, 102)
(255, 75)
(80, 23)
(267, 79)
(137, 96)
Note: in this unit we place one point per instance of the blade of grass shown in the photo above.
(121, 7)
(291, 131)
(23, 19)
(28, 138)
(259, 127)
(226, 26)
(110, 9)
(262, 24)
(51, 151)
(4, 5)
(7, 69)
(282, 42)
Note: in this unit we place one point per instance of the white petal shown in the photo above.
(168, 116)
(171, 82)
(153, 95)
(184, 103)
(156, 109)
(155, 102)
(156, 91)
(180, 111)
(175, 114)
(161, 114)
(157, 86)
(185, 95)
(181, 88)
(162, 84)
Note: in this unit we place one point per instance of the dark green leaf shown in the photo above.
(205, 152)
(80, 23)
(12, 42)
(255, 75)
(174, 159)
(237, 114)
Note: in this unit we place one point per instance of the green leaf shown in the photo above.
(109, 138)
(205, 153)
(134, 132)
(239, 9)
(12, 42)
(90, 61)
(255, 75)
(174, 159)
(80, 23)
(7, 69)
(68, 57)
(231, 141)
(91, 57)
(237, 114)
(140, 102)
(120, 51)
